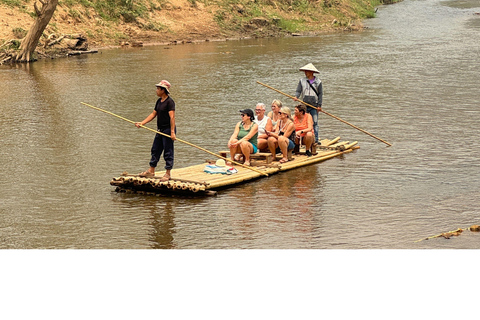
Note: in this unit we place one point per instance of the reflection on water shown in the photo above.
(410, 79)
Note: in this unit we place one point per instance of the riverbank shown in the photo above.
(183, 21)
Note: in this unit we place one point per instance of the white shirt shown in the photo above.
(261, 124)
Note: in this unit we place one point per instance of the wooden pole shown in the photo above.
(329, 114)
(180, 140)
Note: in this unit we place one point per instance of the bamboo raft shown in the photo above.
(193, 181)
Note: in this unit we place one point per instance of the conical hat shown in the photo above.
(309, 67)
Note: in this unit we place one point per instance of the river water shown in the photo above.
(411, 79)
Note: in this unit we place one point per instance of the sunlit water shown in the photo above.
(411, 79)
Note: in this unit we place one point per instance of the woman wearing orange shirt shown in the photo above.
(304, 128)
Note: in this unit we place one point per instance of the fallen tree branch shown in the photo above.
(54, 42)
(7, 43)
(5, 60)
(448, 235)
(77, 53)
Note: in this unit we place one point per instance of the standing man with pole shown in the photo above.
(310, 90)
(165, 113)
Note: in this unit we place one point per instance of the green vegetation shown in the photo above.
(110, 10)
(245, 17)
(293, 15)
(291, 26)
(19, 33)
(13, 3)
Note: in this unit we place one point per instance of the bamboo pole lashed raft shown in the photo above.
(193, 181)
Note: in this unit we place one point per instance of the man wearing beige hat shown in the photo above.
(165, 113)
(310, 90)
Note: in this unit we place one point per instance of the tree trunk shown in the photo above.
(30, 42)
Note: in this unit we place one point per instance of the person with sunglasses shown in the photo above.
(283, 135)
(264, 123)
(243, 141)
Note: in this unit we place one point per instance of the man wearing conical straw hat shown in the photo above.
(310, 90)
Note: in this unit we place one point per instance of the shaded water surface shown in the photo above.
(411, 78)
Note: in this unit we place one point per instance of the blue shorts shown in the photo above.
(291, 145)
(255, 149)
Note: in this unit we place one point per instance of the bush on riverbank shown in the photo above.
(109, 22)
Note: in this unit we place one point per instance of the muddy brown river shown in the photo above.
(411, 79)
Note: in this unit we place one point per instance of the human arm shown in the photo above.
(233, 138)
(252, 132)
(274, 132)
(309, 123)
(268, 127)
(320, 96)
(171, 113)
(298, 92)
(290, 128)
(149, 118)
(309, 128)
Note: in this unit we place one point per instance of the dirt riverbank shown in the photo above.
(183, 21)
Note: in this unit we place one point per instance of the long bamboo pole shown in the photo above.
(180, 140)
(329, 114)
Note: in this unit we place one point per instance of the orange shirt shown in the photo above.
(299, 126)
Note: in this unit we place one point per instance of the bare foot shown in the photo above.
(147, 174)
(166, 177)
(239, 157)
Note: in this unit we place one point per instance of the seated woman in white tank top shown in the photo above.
(264, 123)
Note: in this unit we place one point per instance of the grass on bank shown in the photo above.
(281, 16)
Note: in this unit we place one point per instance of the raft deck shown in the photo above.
(193, 181)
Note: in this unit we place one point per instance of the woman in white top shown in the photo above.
(264, 124)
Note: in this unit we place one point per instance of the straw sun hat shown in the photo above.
(309, 67)
(220, 163)
(165, 85)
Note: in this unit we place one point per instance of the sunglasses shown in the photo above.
(281, 112)
(242, 115)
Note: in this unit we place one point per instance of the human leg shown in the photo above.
(314, 113)
(308, 140)
(247, 149)
(156, 152)
(168, 150)
(166, 176)
(283, 144)
(262, 144)
(291, 145)
(233, 150)
(272, 146)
